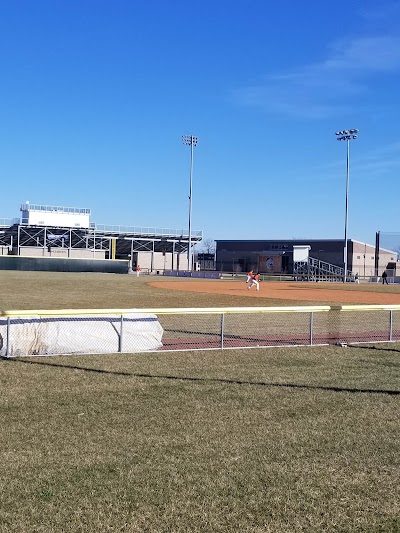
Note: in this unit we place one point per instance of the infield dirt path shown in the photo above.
(318, 292)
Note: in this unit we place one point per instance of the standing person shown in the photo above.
(249, 275)
(384, 278)
(138, 270)
(255, 281)
(356, 279)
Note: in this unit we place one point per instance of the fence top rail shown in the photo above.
(198, 310)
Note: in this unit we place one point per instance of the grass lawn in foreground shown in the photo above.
(277, 440)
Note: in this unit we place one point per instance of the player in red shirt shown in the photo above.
(249, 275)
(255, 280)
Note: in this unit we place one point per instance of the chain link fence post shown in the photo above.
(120, 334)
(311, 327)
(222, 330)
(8, 336)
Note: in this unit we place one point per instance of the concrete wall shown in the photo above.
(79, 253)
(358, 260)
(156, 261)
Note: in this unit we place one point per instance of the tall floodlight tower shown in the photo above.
(190, 140)
(346, 135)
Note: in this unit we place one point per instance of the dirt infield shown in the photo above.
(317, 292)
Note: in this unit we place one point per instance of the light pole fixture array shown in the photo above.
(346, 135)
(190, 140)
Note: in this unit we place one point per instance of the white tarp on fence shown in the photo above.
(35, 335)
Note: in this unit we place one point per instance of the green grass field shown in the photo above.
(261, 440)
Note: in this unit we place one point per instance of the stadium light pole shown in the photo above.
(190, 140)
(346, 135)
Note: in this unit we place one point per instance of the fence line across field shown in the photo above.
(94, 331)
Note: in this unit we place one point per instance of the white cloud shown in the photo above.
(365, 55)
(382, 162)
(319, 90)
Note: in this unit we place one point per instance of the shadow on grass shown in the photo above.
(379, 348)
(210, 380)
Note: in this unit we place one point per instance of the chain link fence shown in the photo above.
(131, 331)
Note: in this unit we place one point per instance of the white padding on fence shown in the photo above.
(35, 335)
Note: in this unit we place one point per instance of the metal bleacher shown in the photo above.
(317, 270)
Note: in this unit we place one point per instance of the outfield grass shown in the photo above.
(274, 440)
(58, 290)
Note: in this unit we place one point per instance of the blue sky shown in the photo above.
(96, 95)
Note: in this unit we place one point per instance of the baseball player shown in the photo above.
(249, 275)
(255, 280)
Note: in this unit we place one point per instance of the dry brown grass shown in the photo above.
(58, 290)
(276, 440)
